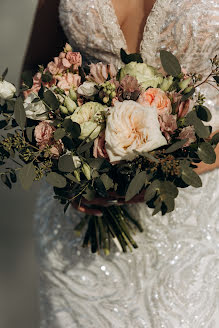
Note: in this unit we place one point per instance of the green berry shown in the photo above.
(105, 100)
(113, 94)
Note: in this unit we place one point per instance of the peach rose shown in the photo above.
(157, 98)
(67, 81)
(131, 130)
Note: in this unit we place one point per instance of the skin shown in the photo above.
(47, 38)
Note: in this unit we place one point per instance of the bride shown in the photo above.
(172, 279)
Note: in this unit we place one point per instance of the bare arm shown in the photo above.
(47, 37)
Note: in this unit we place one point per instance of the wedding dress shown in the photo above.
(172, 279)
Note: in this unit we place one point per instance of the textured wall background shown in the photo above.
(18, 296)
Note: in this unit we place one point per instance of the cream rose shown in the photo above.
(131, 130)
(35, 111)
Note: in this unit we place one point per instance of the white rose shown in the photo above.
(87, 89)
(131, 130)
(35, 111)
(7, 90)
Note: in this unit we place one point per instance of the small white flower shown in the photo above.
(35, 111)
(87, 89)
(7, 90)
(131, 130)
(76, 161)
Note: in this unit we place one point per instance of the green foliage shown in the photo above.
(59, 133)
(56, 180)
(206, 153)
(136, 185)
(29, 132)
(201, 130)
(27, 78)
(215, 139)
(27, 175)
(5, 180)
(177, 145)
(66, 164)
(130, 58)
(190, 177)
(203, 113)
(51, 100)
(19, 113)
(188, 95)
(107, 181)
(72, 128)
(170, 63)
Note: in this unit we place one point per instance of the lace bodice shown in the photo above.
(172, 279)
(189, 29)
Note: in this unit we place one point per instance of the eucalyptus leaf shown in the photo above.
(47, 77)
(216, 78)
(66, 164)
(150, 157)
(29, 132)
(59, 133)
(4, 73)
(72, 178)
(177, 145)
(27, 78)
(158, 205)
(89, 194)
(27, 175)
(6, 181)
(56, 180)
(100, 188)
(215, 139)
(151, 190)
(190, 177)
(168, 189)
(203, 113)
(3, 124)
(188, 95)
(169, 203)
(107, 181)
(72, 127)
(19, 113)
(13, 176)
(51, 100)
(128, 58)
(206, 153)
(200, 129)
(170, 63)
(136, 185)
(85, 147)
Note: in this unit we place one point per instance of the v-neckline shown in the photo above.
(120, 29)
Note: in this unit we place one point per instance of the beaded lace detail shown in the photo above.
(172, 279)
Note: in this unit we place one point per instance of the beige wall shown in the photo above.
(17, 293)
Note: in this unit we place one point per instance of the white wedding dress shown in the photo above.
(172, 279)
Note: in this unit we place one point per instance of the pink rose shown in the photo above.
(44, 137)
(99, 146)
(74, 58)
(157, 98)
(56, 67)
(188, 133)
(44, 134)
(99, 72)
(67, 81)
(167, 124)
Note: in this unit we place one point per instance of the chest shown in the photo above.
(132, 16)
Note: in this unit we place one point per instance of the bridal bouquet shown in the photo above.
(99, 133)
